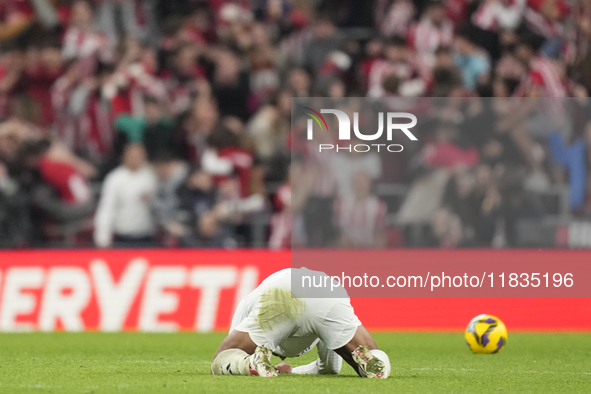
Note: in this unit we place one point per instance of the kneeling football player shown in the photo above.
(271, 321)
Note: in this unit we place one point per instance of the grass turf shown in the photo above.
(179, 363)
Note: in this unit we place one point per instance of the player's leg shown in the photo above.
(257, 329)
(327, 363)
(237, 340)
(238, 362)
(239, 355)
(340, 329)
(362, 353)
(363, 338)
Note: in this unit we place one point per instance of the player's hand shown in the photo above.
(283, 368)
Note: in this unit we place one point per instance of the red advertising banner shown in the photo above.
(197, 290)
(146, 290)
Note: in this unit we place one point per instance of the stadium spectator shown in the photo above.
(155, 130)
(12, 63)
(444, 151)
(171, 173)
(324, 40)
(211, 82)
(474, 198)
(126, 15)
(543, 79)
(15, 17)
(573, 158)
(346, 166)
(231, 86)
(471, 60)
(124, 216)
(280, 237)
(60, 199)
(14, 223)
(499, 15)
(82, 119)
(299, 83)
(430, 32)
(446, 229)
(397, 19)
(269, 132)
(361, 216)
(399, 62)
(82, 42)
(209, 213)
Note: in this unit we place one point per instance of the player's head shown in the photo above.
(383, 357)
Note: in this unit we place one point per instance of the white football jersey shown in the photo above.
(292, 326)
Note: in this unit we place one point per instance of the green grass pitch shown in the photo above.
(179, 363)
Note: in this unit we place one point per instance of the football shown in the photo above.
(486, 334)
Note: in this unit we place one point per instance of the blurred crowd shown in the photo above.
(132, 123)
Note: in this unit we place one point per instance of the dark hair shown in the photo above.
(104, 68)
(391, 83)
(33, 148)
(172, 25)
(435, 4)
(152, 100)
(325, 17)
(164, 156)
(446, 76)
(50, 41)
(395, 41)
(510, 84)
(445, 80)
(530, 40)
(467, 32)
(484, 90)
(223, 138)
(443, 50)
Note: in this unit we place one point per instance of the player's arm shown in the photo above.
(361, 353)
(327, 363)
